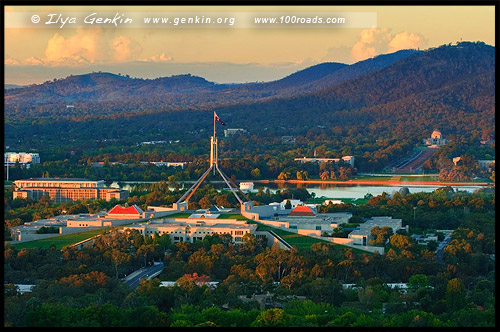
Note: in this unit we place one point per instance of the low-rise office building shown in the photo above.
(346, 159)
(363, 234)
(195, 229)
(304, 218)
(68, 189)
(23, 158)
(75, 223)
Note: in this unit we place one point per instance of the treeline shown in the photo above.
(135, 167)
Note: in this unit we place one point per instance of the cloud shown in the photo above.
(157, 58)
(376, 41)
(11, 62)
(371, 42)
(406, 40)
(32, 61)
(84, 47)
(125, 49)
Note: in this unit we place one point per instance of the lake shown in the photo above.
(326, 190)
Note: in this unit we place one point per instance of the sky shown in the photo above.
(69, 40)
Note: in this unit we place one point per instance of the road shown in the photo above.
(415, 163)
(133, 279)
(441, 246)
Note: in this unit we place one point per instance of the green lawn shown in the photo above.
(373, 178)
(302, 242)
(236, 216)
(178, 215)
(60, 241)
(419, 178)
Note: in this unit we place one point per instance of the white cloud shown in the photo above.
(85, 47)
(32, 61)
(157, 58)
(406, 40)
(376, 41)
(11, 62)
(125, 49)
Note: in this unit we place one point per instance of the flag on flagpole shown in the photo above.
(218, 119)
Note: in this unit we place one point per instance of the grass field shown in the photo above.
(178, 215)
(418, 178)
(302, 242)
(236, 216)
(60, 241)
(397, 177)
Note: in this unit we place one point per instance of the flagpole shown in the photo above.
(214, 125)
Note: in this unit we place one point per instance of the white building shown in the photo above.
(347, 159)
(485, 164)
(23, 158)
(180, 164)
(246, 186)
(436, 139)
(304, 218)
(233, 131)
(361, 236)
(293, 202)
(333, 201)
(195, 229)
(68, 224)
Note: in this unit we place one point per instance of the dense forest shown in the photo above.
(306, 287)
(378, 113)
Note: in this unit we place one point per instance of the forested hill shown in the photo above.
(447, 87)
(101, 93)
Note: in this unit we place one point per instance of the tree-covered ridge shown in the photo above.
(120, 93)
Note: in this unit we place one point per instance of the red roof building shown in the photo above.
(301, 211)
(125, 212)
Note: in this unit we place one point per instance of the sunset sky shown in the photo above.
(34, 54)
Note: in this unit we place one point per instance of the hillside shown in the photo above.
(105, 93)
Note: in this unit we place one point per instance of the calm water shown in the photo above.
(326, 190)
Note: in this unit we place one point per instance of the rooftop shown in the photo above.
(134, 210)
(302, 210)
(60, 179)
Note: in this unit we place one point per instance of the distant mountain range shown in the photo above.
(452, 87)
(12, 86)
(392, 99)
(123, 94)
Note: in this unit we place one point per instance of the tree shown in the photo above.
(256, 173)
(417, 281)
(205, 203)
(400, 242)
(455, 295)
(274, 317)
(284, 175)
(119, 258)
(380, 235)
